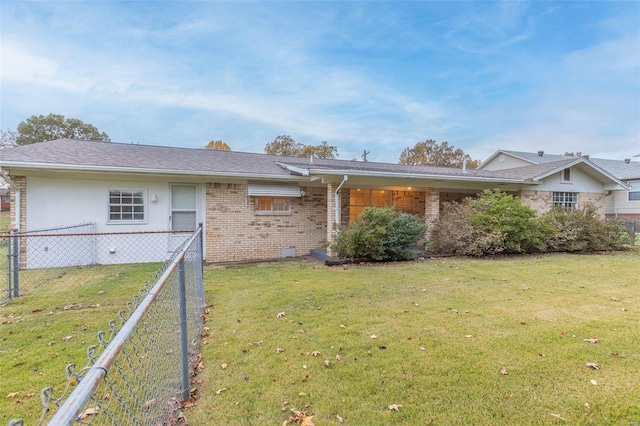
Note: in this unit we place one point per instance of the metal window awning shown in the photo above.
(273, 190)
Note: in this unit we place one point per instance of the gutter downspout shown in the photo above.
(337, 202)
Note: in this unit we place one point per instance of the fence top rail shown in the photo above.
(81, 395)
(27, 234)
(60, 228)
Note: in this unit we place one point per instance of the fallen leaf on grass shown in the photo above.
(592, 365)
(91, 411)
(591, 340)
(224, 366)
(12, 395)
(557, 416)
(394, 407)
(503, 370)
(67, 338)
(327, 362)
(219, 391)
(593, 382)
(280, 314)
(343, 326)
(279, 350)
(340, 419)
(150, 403)
(373, 336)
(338, 357)
(315, 353)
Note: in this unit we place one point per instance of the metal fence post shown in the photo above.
(16, 264)
(9, 283)
(184, 352)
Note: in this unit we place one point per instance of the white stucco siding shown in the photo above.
(580, 182)
(53, 202)
(62, 201)
(505, 161)
(621, 205)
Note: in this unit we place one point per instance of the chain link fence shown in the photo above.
(36, 258)
(138, 372)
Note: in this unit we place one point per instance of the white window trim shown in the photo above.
(563, 180)
(633, 190)
(563, 203)
(128, 221)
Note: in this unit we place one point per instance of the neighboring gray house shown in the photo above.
(622, 203)
(258, 206)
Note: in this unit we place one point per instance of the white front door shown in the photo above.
(184, 204)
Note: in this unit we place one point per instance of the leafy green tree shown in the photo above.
(431, 153)
(285, 145)
(217, 145)
(324, 150)
(54, 126)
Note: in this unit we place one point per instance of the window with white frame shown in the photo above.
(127, 205)
(565, 200)
(272, 205)
(634, 192)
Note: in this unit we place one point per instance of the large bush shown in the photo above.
(582, 230)
(493, 223)
(496, 223)
(381, 233)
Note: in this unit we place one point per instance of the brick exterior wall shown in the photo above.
(234, 232)
(626, 216)
(21, 183)
(431, 208)
(542, 201)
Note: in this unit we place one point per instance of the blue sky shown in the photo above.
(381, 76)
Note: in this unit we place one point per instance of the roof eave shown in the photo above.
(416, 176)
(109, 169)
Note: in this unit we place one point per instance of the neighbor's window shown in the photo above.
(268, 205)
(565, 200)
(566, 175)
(634, 192)
(127, 205)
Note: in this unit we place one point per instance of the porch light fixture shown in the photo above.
(154, 198)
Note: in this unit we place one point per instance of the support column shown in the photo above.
(431, 210)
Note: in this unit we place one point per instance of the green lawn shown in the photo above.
(430, 337)
(34, 348)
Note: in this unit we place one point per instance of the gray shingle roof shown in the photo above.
(617, 168)
(87, 155)
(74, 154)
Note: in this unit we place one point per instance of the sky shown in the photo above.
(559, 76)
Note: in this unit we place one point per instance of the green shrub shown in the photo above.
(582, 230)
(496, 223)
(381, 234)
(493, 223)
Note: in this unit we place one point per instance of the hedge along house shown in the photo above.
(254, 206)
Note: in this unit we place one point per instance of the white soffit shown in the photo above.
(273, 190)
